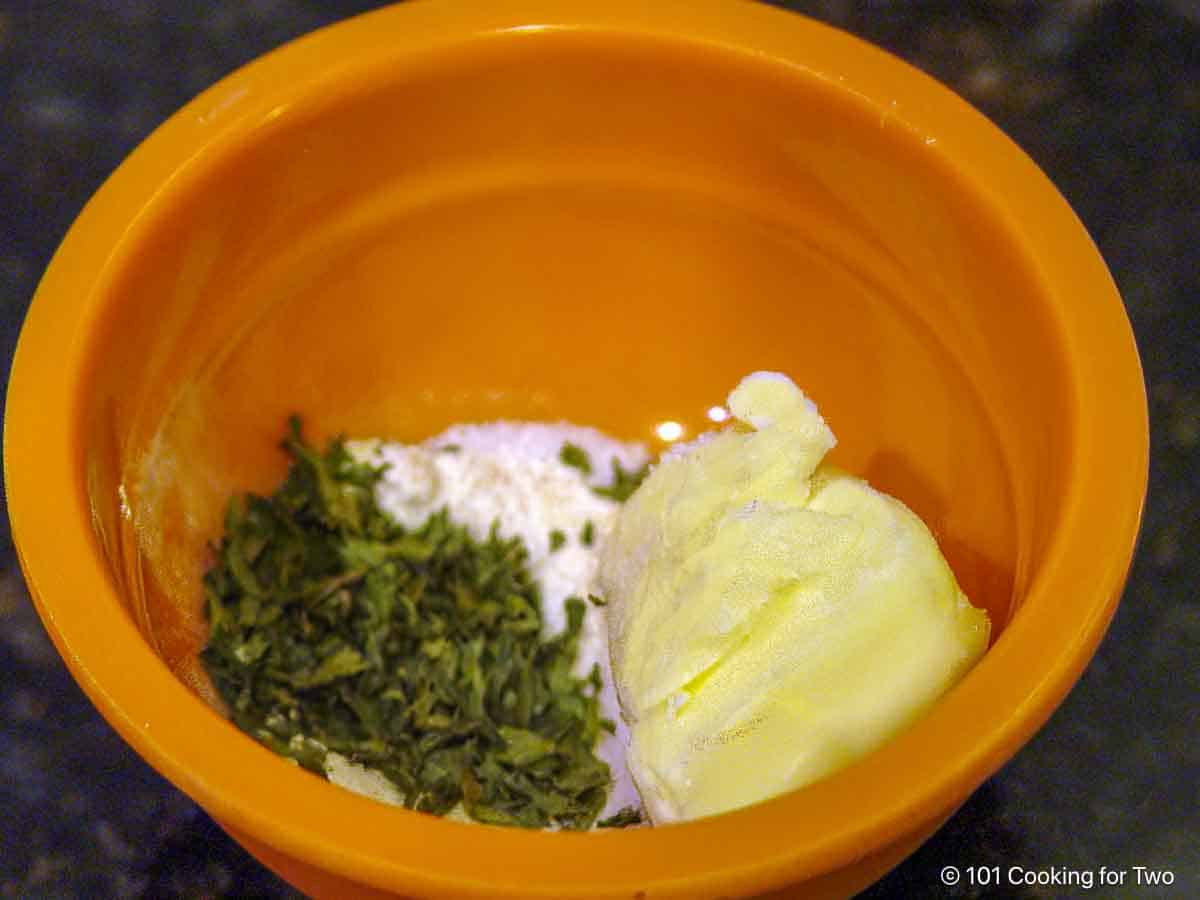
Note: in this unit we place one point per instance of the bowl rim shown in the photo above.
(830, 824)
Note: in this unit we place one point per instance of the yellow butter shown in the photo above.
(771, 619)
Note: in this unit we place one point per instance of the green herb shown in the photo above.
(587, 534)
(576, 457)
(557, 539)
(597, 601)
(623, 818)
(450, 448)
(624, 481)
(417, 653)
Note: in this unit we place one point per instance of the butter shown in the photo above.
(771, 619)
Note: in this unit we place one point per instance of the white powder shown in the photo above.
(510, 473)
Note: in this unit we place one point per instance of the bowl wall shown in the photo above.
(473, 239)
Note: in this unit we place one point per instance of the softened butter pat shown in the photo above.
(771, 619)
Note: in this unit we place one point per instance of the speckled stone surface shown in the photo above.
(1105, 96)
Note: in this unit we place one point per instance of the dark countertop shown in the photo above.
(1105, 96)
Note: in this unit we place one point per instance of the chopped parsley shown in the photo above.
(418, 653)
(623, 818)
(624, 482)
(576, 457)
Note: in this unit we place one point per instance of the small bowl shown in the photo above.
(605, 212)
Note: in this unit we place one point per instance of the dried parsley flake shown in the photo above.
(624, 482)
(418, 653)
(622, 818)
(576, 457)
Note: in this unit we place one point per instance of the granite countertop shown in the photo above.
(1105, 96)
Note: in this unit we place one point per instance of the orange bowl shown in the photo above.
(605, 212)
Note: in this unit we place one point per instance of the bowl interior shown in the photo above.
(608, 227)
(479, 241)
